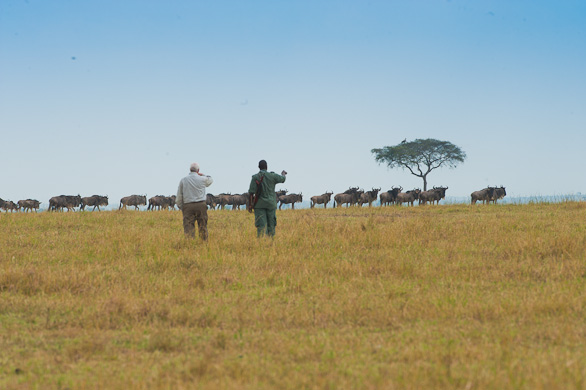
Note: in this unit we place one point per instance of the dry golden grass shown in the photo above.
(448, 297)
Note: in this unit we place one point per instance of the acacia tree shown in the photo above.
(421, 156)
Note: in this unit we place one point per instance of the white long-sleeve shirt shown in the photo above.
(192, 188)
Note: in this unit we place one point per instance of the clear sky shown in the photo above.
(118, 97)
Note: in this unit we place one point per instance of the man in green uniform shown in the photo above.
(263, 199)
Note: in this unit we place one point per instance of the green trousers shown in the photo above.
(265, 221)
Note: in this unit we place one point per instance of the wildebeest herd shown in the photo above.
(353, 196)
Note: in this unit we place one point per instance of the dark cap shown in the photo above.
(262, 164)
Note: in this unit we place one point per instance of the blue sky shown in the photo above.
(119, 97)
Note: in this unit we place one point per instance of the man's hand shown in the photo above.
(284, 173)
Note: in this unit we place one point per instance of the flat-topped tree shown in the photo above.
(421, 156)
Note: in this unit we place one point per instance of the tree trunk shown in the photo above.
(424, 177)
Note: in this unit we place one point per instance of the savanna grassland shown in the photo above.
(442, 297)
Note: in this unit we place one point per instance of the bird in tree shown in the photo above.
(421, 156)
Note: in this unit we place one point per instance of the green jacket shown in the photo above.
(267, 199)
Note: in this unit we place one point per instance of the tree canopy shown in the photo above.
(421, 156)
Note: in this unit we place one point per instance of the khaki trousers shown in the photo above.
(197, 211)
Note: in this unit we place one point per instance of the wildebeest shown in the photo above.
(56, 203)
(408, 197)
(348, 197)
(280, 193)
(224, 200)
(389, 197)
(70, 202)
(499, 193)
(290, 199)
(161, 202)
(485, 195)
(155, 201)
(172, 200)
(434, 195)
(211, 201)
(94, 200)
(8, 205)
(321, 199)
(133, 200)
(29, 204)
(368, 197)
(239, 200)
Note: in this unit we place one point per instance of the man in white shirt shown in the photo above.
(191, 200)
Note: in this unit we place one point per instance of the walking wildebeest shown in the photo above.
(8, 205)
(94, 200)
(29, 204)
(408, 197)
(239, 200)
(368, 197)
(171, 201)
(280, 193)
(348, 197)
(70, 202)
(321, 199)
(161, 202)
(290, 199)
(389, 197)
(211, 201)
(133, 200)
(499, 193)
(56, 203)
(485, 195)
(224, 200)
(434, 195)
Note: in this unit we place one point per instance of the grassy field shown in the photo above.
(448, 297)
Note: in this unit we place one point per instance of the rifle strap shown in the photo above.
(258, 189)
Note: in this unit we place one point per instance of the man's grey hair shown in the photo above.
(194, 167)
